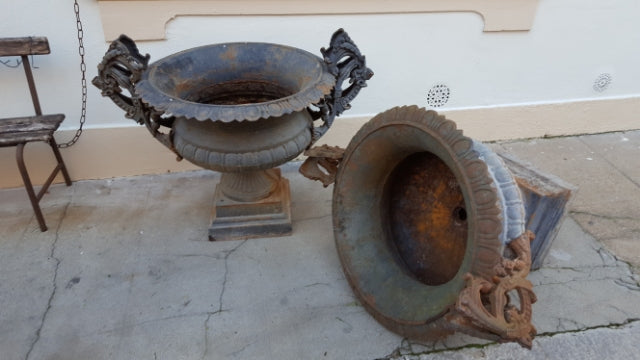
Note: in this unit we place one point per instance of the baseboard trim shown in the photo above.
(128, 151)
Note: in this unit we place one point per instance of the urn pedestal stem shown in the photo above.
(249, 186)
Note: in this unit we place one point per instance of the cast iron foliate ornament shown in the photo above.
(121, 69)
(344, 61)
(486, 304)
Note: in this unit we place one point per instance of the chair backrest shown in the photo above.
(24, 46)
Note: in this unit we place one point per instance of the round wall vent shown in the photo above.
(438, 95)
(602, 82)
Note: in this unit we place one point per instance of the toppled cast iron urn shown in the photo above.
(434, 230)
(240, 109)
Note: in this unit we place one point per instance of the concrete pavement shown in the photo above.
(606, 169)
(126, 272)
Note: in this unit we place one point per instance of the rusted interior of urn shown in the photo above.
(426, 220)
(237, 92)
(236, 73)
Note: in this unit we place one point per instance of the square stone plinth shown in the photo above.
(269, 217)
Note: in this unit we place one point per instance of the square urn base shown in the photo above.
(269, 217)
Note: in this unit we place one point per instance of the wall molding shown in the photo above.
(147, 19)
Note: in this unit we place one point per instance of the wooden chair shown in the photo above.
(19, 131)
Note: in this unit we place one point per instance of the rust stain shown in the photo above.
(230, 55)
(427, 218)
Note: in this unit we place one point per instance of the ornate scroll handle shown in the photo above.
(322, 163)
(486, 306)
(344, 61)
(121, 68)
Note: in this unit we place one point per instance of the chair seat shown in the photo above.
(14, 131)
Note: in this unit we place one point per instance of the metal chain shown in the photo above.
(83, 70)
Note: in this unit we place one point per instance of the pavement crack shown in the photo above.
(587, 328)
(145, 322)
(565, 324)
(206, 335)
(214, 256)
(623, 312)
(226, 274)
(604, 253)
(631, 285)
(220, 298)
(401, 350)
(407, 347)
(618, 281)
(206, 332)
(241, 349)
(603, 216)
(605, 256)
(54, 280)
(311, 218)
(318, 284)
(580, 269)
(405, 351)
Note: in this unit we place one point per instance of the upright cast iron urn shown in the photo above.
(240, 109)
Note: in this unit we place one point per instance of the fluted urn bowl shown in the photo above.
(238, 108)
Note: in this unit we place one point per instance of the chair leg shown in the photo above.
(29, 187)
(63, 167)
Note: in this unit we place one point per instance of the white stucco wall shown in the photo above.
(570, 44)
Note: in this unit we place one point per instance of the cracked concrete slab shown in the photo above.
(599, 288)
(580, 286)
(605, 169)
(598, 181)
(620, 149)
(606, 342)
(126, 272)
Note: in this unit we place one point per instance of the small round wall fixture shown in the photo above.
(602, 82)
(438, 95)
